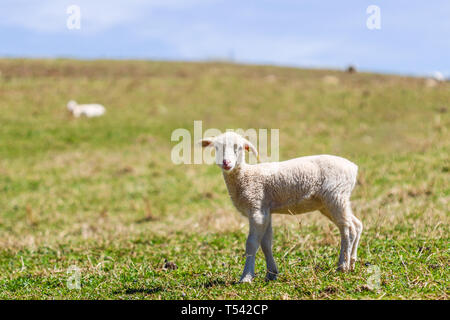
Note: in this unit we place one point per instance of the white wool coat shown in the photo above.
(291, 187)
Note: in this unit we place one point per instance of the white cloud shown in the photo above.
(207, 41)
(49, 16)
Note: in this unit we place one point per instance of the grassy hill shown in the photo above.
(103, 195)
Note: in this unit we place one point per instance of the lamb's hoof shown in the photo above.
(342, 269)
(270, 276)
(246, 279)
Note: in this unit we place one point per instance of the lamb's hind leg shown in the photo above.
(342, 217)
(358, 227)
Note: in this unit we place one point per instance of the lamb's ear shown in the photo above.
(249, 146)
(206, 142)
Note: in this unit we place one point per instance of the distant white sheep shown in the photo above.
(438, 76)
(88, 110)
(329, 79)
(296, 186)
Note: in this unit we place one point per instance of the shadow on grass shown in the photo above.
(139, 290)
(216, 283)
(206, 285)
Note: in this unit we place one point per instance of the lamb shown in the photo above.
(438, 76)
(88, 110)
(305, 184)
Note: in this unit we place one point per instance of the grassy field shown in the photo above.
(103, 196)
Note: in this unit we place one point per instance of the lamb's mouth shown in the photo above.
(226, 168)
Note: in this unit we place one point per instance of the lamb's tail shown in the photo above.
(354, 173)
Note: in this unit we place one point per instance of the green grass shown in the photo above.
(103, 195)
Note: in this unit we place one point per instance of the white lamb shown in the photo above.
(88, 110)
(321, 182)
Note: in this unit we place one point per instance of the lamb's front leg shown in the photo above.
(259, 221)
(266, 246)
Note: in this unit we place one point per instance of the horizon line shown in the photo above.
(224, 60)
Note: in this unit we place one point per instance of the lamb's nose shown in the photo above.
(226, 163)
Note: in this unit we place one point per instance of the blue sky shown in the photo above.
(414, 37)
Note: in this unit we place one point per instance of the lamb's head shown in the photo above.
(71, 105)
(230, 148)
